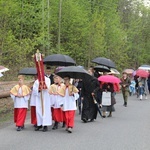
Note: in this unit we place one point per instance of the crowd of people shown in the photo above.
(140, 86)
(57, 103)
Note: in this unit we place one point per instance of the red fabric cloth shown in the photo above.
(116, 87)
(69, 118)
(15, 114)
(58, 115)
(20, 116)
(40, 72)
(33, 115)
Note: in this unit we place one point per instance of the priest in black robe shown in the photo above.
(90, 88)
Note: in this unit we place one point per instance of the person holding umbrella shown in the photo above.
(90, 88)
(109, 85)
(108, 88)
(125, 83)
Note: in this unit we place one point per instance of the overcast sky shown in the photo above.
(147, 2)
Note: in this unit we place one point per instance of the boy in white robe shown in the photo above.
(33, 104)
(69, 103)
(57, 92)
(20, 94)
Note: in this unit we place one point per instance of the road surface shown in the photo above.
(128, 129)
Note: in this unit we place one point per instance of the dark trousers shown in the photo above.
(125, 94)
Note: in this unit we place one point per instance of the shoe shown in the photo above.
(66, 129)
(55, 126)
(63, 125)
(104, 116)
(69, 130)
(19, 128)
(125, 104)
(91, 120)
(23, 127)
(38, 128)
(110, 115)
(45, 128)
(84, 120)
(35, 126)
(141, 97)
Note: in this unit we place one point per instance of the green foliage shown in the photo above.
(116, 29)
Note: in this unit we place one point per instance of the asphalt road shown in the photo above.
(128, 129)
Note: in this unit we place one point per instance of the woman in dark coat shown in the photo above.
(148, 82)
(108, 87)
(89, 89)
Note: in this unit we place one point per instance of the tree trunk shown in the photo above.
(5, 94)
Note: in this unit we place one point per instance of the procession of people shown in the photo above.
(54, 99)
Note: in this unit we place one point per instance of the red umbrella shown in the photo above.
(109, 79)
(142, 73)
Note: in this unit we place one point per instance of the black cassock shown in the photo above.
(89, 109)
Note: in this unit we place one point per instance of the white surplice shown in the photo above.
(20, 102)
(46, 118)
(56, 99)
(69, 102)
(32, 99)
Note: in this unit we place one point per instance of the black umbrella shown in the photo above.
(101, 68)
(95, 102)
(59, 60)
(74, 72)
(28, 71)
(104, 61)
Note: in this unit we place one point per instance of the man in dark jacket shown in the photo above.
(125, 83)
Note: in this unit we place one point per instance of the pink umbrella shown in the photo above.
(3, 69)
(109, 79)
(142, 73)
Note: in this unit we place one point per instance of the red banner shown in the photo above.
(40, 70)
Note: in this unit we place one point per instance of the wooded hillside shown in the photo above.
(82, 29)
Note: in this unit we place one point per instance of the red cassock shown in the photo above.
(58, 115)
(20, 116)
(52, 110)
(33, 115)
(69, 118)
